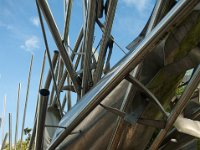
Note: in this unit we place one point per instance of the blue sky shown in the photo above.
(20, 37)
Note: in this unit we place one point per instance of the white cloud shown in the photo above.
(35, 21)
(139, 4)
(7, 26)
(30, 44)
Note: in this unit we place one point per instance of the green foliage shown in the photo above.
(27, 132)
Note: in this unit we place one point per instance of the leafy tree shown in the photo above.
(27, 132)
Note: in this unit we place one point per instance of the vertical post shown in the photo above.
(26, 101)
(4, 141)
(106, 35)
(3, 116)
(17, 116)
(43, 102)
(39, 87)
(87, 46)
(10, 130)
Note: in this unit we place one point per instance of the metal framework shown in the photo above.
(125, 102)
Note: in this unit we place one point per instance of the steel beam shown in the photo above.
(105, 38)
(185, 97)
(56, 35)
(146, 91)
(154, 18)
(87, 46)
(122, 69)
(68, 10)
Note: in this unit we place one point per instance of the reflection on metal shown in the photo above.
(185, 97)
(123, 68)
(130, 118)
(132, 90)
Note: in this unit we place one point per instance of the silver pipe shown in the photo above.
(26, 101)
(51, 102)
(77, 44)
(64, 102)
(67, 20)
(106, 35)
(61, 68)
(43, 102)
(17, 116)
(49, 75)
(87, 46)
(185, 97)
(4, 141)
(69, 101)
(39, 87)
(122, 69)
(155, 15)
(64, 76)
(10, 130)
(54, 30)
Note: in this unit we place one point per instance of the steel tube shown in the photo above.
(122, 69)
(67, 20)
(17, 116)
(10, 130)
(87, 46)
(4, 141)
(77, 44)
(26, 101)
(185, 97)
(49, 75)
(43, 102)
(56, 35)
(155, 15)
(52, 101)
(106, 35)
(39, 87)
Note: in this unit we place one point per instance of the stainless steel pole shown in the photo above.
(56, 35)
(26, 101)
(43, 102)
(10, 130)
(39, 87)
(17, 116)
